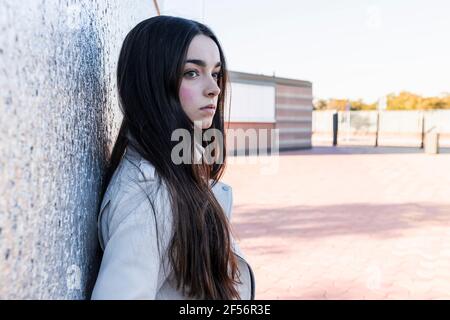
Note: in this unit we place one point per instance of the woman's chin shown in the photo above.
(206, 123)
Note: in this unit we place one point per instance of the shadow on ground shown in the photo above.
(344, 150)
(376, 220)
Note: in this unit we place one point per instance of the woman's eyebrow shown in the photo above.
(202, 63)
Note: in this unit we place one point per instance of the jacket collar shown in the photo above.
(222, 191)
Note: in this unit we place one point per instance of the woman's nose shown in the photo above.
(213, 89)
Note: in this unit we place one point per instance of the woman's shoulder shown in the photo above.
(144, 171)
(134, 179)
(134, 174)
(134, 192)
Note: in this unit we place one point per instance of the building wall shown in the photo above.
(294, 113)
(59, 117)
(289, 102)
(242, 130)
(251, 102)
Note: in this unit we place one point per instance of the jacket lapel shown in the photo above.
(223, 195)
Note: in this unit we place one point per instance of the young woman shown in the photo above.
(164, 226)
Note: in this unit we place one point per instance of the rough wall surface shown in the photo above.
(58, 119)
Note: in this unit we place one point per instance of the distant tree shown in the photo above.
(402, 101)
(320, 104)
(337, 104)
(360, 105)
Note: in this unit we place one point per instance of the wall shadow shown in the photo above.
(344, 150)
(308, 222)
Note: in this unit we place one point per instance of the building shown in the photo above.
(261, 103)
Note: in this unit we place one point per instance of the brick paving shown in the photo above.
(345, 223)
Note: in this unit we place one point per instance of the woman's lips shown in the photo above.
(210, 109)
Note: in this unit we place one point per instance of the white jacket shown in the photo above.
(132, 267)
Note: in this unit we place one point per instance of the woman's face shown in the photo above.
(199, 89)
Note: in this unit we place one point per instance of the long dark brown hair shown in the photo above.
(149, 74)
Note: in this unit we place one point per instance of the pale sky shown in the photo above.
(348, 49)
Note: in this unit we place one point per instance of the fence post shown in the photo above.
(335, 128)
(422, 119)
(378, 128)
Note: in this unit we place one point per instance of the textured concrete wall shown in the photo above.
(59, 114)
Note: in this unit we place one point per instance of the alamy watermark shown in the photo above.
(263, 147)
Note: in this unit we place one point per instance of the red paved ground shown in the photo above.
(346, 223)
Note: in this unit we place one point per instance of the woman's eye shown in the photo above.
(191, 73)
